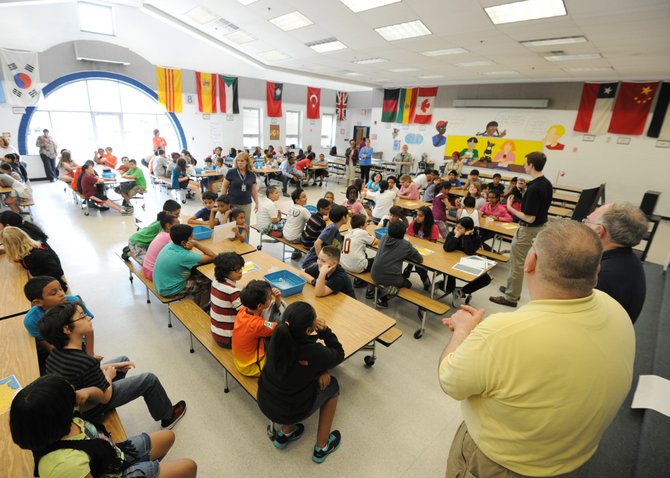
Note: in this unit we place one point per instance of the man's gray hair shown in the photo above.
(626, 224)
(568, 256)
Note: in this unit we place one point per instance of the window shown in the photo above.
(251, 127)
(95, 113)
(293, 128)
(327, 130)
(96, 18)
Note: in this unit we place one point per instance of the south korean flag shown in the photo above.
(21, 75)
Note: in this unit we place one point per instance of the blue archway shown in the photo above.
(87, 75)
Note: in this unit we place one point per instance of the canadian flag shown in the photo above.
(425, 99)
(313, 103)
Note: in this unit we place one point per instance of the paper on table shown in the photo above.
(476, 261)
(250, 267)
(9, 386)
(423, 251)
(224, 231)
(510, 226)
(652, 392)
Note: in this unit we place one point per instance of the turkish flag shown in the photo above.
(632, 108)
(313, 103)
(273, 96)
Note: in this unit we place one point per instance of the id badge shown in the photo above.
(243, 188)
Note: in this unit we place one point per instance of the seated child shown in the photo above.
(496, 185)
(220, 214)
(250, 327)
(11, 218)
(93, 189)
(42, 419)
(160, 241)
(373, 184)
(440, 205)
(181, 179)
(204, 214)
(45, 292)
(295, 381)
(386, 270)
(423, 227)
(327, 275)
(473, 177)
(316, 223)
(174, 271)
(123, 167)
(35, 257)
(138, 243)
(396, 213)
(464, 238)
(354, 245)
(322, 172)
(225, 298)
(241, 229)
(330, 196)
(296, 218)
(131, 188)
(18, 193)
(430, 191)
(393, 185)
(452, 177)
(409, 190)
(383, 200)
(64, 326)
(469, 210)
(330, 236)
(494, 208)
(269, 220)
(353, 204)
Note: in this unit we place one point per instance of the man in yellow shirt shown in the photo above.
(539, 386)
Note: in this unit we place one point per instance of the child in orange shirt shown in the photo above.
(250, 327)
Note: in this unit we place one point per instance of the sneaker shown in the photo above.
(407, 272)
(127, 212)
(370, 294)
(296, 255)
(358, 283)
(320, 454)
(382, 303)
(178, 411)
(457, 297)
(280, 441)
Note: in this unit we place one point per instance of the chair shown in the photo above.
(588, 199)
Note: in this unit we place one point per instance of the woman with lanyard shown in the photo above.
(240, 185)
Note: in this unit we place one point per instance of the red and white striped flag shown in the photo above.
(341, 99)
(425, 100)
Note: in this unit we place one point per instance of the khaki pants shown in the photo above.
(466, 460)
(523, 240)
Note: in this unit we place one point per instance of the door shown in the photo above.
(360, 133)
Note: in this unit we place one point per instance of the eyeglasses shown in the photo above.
(84, 316)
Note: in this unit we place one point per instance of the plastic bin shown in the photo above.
(199, 170)
(286, 281)
(109, 175)
(381, 232)
(311, 209)
(200, 233)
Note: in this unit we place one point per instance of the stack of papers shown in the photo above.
(474, 265)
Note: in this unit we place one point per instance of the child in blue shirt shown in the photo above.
(202, 216)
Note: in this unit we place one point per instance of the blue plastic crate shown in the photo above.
(198, 170)
(108, 175)
(381, 232)
(286, 281)
(311, 209)
(200, 233)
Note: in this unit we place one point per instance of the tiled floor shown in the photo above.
(394, 418)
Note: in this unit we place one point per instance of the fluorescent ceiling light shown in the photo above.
(581, 56)
(201, 15)
(448, 51)
(588, 68)
(240, 37)
(469, 64)
(363, 5)
(326, 45)
(554, 41)
(291, 21)
(500, 73)
(403, 30)
(403, 70)
(430, 77)
(526, 10)
(369, 61)
(246, 2)
(273, 55)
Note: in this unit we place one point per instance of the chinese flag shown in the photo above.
(632, 108)
(313, 103)
(206, 86)
(273, 97)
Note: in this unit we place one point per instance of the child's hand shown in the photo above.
(319, 324)
(276, 293)
(123, 366)
(82, 396)
(324, 380)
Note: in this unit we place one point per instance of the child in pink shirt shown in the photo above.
(423, 227)
(352, 203)
(409, 190)
(495, 209)
(166, 221)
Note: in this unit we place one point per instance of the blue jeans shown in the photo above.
(141, 465)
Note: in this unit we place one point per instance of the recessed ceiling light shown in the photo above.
(246, 2)
(201, 15)
(326, 45)
(273, 55)
(588, 68)
(430, 77)
(469, 64)
(291, 21)
(369, 61)
(500, 73)
(581, 56)
(240, 37)
(353, 73)
(403, 70)
(403, 30)
(362, 5)
(448, 51)
(526, 10)
(554, 41)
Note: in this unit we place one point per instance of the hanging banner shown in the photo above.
(22, 79)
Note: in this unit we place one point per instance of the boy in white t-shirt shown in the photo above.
(268, 215)
(296, 218)
(220, 213)
(354, 245)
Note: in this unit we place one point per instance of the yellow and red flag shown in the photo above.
(206, 85)
(169, 89)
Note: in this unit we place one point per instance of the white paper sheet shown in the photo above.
(652, 392)
(222, 232)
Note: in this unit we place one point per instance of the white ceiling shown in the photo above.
(633, 37)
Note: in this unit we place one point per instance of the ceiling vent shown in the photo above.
(221, 27)
(101, 53)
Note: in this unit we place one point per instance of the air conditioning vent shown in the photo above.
(101, 53)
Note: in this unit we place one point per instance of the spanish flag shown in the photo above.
(206, 84)
(169, 89)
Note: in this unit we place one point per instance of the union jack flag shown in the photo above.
(341, 98)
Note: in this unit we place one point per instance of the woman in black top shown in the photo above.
(295, 382)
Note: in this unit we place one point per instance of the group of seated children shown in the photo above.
(20, 191)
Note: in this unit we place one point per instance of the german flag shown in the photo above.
(206, 85)
(169, 89)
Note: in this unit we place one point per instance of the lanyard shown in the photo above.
(240, 175)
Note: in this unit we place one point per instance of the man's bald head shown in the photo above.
(568, 255)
